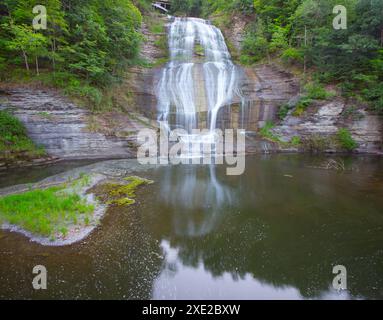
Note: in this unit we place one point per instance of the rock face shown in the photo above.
(325, 118)
(368, 132)
(64, 129)
(264, 87)
(142, 85)
(142, 82)
(318, 121)
(267, 87)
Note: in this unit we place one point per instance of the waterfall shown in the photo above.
(177, 90)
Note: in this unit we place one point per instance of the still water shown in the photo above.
(273, 233)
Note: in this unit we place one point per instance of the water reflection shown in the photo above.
(284, 227)
(179, 281)
(274, 233)
(200, 199)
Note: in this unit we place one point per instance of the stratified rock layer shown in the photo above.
(63, 128)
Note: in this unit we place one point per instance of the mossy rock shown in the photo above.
(121, 192)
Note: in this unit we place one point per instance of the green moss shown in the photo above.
(120, 194)
(48, 211)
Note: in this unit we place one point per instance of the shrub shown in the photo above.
(316, 91)
(301, 106)
(10, 125)
(315, 144)
(374, 95)
(14, 139)
(345, 140)
(292, 55)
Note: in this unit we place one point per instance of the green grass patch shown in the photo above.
(45, 212)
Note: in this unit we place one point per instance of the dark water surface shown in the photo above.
(273, 233)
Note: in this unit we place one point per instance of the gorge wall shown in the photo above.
(68, 131)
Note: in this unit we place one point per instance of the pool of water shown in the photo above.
(274, 232)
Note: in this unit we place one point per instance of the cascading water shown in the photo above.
(178, 89)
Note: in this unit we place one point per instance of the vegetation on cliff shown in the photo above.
(84, 49)
(301, 33)
(14, 141)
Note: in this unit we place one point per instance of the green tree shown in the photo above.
(27, 42)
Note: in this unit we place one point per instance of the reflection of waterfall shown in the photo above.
(195, 189)
(178, 90)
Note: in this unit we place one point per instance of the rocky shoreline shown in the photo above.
(99, 173)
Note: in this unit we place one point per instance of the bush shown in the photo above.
(316, 91)
(292, 55)
(10, 126)
(345, 140)
(315, 144)
(14, 139)
(301, 106)
(374, 95)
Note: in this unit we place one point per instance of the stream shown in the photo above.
(274, 232)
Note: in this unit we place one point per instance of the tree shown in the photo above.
(28, 43)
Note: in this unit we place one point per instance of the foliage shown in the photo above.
(255, 45)
(316, 91)
(266, 132)
(345, 140)
(295, 141)
(14, 139)
(303, 103)
(315, 144)
(292, 56)
(92, 39)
